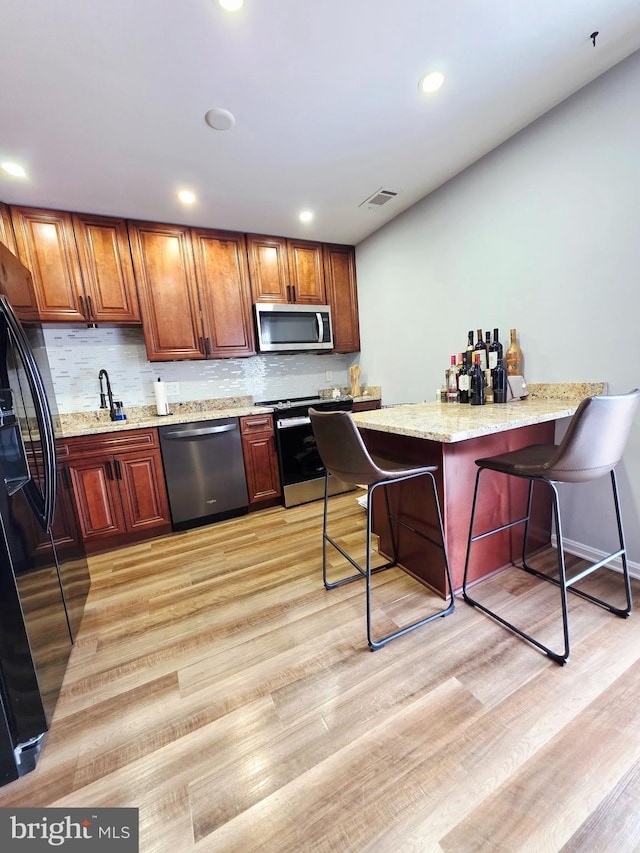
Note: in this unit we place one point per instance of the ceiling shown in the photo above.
(104, 102)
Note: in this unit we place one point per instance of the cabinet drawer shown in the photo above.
(252, 424)
(104, 442)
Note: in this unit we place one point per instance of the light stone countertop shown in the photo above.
(143, 417)
(451, 422)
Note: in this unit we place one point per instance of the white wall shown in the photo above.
(542, 234)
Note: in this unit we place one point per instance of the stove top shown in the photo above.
(302, 403)
(293, 403)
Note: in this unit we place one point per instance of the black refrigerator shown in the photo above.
(44, 578)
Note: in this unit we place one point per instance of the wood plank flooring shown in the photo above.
(216, 686)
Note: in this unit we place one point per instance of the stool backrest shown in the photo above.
(595, 440)
(342, 449)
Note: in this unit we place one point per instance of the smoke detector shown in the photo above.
(378, 198)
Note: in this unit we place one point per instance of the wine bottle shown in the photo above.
(495, 350)
(481, 348)
(464, 379)
(499, 380)
(476, 390)
(513, 357)
(452, 382)
(470, 340)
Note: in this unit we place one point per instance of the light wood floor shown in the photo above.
(219, 688)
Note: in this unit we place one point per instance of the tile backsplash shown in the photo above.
(76, 355)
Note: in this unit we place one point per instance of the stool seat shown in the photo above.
(345, 455)
(591, 448)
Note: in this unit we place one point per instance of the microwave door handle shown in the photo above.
(319, 322)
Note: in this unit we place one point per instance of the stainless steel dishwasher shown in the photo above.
(204, 469)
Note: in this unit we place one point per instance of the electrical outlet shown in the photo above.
(173, 389)
(328, 375)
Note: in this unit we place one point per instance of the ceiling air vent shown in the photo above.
(378, 198)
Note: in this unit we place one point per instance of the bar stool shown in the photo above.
(591, 448)
(345, 455)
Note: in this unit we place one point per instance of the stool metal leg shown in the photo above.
(565, 584)
(360, 573)
(382, 641)
(368, 570)
(623, 612)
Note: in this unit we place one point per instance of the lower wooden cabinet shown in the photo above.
(119, 488)
(260, 460)
(366, 405)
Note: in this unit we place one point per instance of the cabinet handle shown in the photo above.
(109, 470)
(89, 307)
(201, 345)
(118, 469)
(66, 476)
(81, 306)
(207, 342)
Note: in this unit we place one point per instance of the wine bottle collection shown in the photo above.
(479, 375)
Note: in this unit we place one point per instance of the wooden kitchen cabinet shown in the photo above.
(80, 264)
(194, 292)
(342, 296)
(165, 273)
(107, 271)
(119, 487)
(223, 287)
(260, 460)
(366, 406)
(286, 271)
(6, 229)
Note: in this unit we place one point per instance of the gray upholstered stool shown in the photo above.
(345, 455)
(591, 448)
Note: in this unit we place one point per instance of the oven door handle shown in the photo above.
(287, 423)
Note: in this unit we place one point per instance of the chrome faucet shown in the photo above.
(109, 395)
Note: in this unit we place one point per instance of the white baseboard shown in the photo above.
(593, 555)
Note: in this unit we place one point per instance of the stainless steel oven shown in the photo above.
(301, 469)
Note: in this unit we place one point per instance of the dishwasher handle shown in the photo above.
(191, 433)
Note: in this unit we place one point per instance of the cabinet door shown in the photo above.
(97, 498)
(107, 271)
(163, 264)
(268, 269)
(46, 246)
(306, 272)
(142, 488)
(342, 296)
(260, 458)
(16, 284)
(6, 229)
(225, 298)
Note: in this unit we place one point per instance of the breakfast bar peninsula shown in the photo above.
(452, 436)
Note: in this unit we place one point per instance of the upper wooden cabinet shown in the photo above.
(163, 264)
(342, 296)
(194, 292)
(286, 271)
(223, 285)
(6, 229)
(88, 281)
(107, 271)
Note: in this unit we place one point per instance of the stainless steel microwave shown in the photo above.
(286, 328)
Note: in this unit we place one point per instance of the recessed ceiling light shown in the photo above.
(186, 196)
(230, 5)
(431, 82)
(14, 169)
(220, 119)
(305, 216)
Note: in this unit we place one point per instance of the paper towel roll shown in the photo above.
(162, 406)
